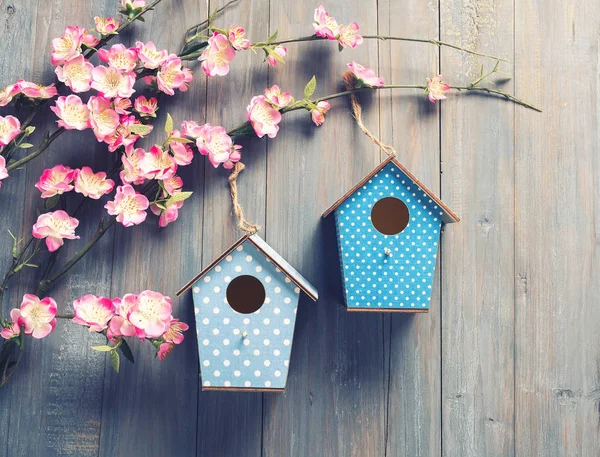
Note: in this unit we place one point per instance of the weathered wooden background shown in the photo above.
(507, 363)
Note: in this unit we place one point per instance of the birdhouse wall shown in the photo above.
(228, 359)
(402, 280)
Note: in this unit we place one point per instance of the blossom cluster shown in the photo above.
(146, 316)
(327, 27)
(35, 317)
(222, 46)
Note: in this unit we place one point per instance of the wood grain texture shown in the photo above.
(557, 230)
(412, 127)
(506, 363)
(478, 253)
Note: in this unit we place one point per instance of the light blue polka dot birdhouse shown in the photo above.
(388, 229)
(245, 304)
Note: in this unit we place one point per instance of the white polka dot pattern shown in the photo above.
(400, 278)
(245, 350)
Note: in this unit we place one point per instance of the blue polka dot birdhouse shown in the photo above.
(388, 228)
(245, 304)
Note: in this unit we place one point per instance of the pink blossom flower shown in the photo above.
(279, 50)
(106, 26)
(10, 127)
(151, 315)
(119, 325)
(3, 170)
(121, 105)
(103, 119)
(149, 56)
(277, 98)
(182, 153)
(150, 80)
(436, 88)
(119, 57)
(122, 135)
(146, 107)
(13, 329)
(129, 206)
(325, 26)
(132, 172)
(263, 117)
(192, 129)
(133, 4)
(32, 90)
(67, 46)
(72, 112)
(318, 115)
(89, 40)
(112, 83)
(365, 76)
(168, 215)
(158, 164)
(76, 73)
(7, 94)
(217, 56)
(174, 333)
(92, 185)
(164, 350)
(348, 36)
(55, 227)
(56, 181)
(93, 312)
(215, 143)
(38, 317)
(234, 156)
(237, 37)
(173, 184)
(172, 76)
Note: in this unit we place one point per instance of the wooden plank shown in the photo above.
(230, 424)
(478, 253)
(557, 260)
(411, 124)
(335, 402)
(56, 396)
(17, 22)
(149, 408)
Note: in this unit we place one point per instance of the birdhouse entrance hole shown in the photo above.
(245, 294)
(390, 216)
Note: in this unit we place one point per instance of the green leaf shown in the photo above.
(273, 37)
(178, 197)
(115, 360)
(310, 88)
(31, 265)
(169, 124)
(161, 206)
(29, 130)
(140, 129)
(340, 47)
(126, 351)
(178, 140)
(102, 348)
(25, 145)
(51, 202)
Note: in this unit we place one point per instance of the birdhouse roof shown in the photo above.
(448, 215)
(270, 254)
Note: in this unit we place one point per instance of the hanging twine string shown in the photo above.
(243, 224)
(350, 81)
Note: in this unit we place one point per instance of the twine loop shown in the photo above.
(243, 223)
(350, 81)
